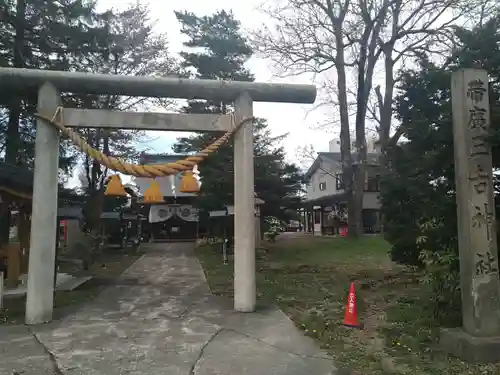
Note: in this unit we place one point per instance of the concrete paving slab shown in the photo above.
(162, 319)
(146, 302)
(64, 282)
(270, 326)
(21, 354)
(274, 328)
(231, 352)
(126, 343)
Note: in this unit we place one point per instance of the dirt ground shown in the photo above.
(309, 277)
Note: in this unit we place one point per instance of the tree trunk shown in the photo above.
(345, 136)
(100, 186)
(385, 108)
(15, 106)
(359, 184)
(385, 102)
(12, 139)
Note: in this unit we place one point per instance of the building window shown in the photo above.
(339, 181)
(322, 186)
(372, 184)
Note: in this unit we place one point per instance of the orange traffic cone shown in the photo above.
(351, 318)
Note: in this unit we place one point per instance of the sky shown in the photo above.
(300, 121)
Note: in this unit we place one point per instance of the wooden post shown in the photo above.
(313, 220)
(306, 220)
(321, 220)
(125, 245)
(479, 338)
(1, 290)
(225, 240)
(24, 237)
(258, 234)
(14, 263)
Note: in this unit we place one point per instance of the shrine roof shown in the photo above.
(20, 179)
(146, 158)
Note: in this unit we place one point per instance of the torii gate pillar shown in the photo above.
(244, 209)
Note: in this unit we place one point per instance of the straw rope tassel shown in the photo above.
(153, 193)
(115, 187)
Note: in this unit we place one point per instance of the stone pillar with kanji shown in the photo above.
(478, 340)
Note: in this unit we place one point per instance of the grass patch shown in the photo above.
(105, 270)
(308, 278)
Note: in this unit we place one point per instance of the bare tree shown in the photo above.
(133, 49)
(421, 28)
(343, 36)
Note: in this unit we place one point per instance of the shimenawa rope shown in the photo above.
(137, 170)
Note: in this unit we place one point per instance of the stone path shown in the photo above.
(162, 319)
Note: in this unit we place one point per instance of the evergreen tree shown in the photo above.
(422, 168)
(217, 50)
(41, 34)
(132, 49)
(72, 35)
(418, 199)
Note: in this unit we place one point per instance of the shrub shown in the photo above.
(86, 249)
(271, 236)
(442, 273)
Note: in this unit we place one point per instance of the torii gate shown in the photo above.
(39, 304)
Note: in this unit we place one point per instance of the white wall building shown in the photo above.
(325, 191)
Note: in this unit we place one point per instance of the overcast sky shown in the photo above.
(297, 119)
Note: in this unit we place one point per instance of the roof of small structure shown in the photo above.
(326, 200)
(111, 215)
(14, 178)
(258, 201)
(372, 158)
(70, 212)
